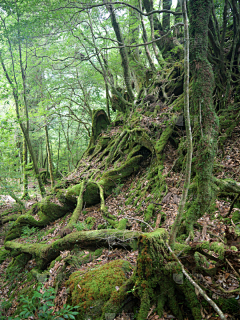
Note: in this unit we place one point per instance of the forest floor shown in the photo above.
(223, 284)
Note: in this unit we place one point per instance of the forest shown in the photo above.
(119, 159)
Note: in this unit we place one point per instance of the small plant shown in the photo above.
(26, 231)
(41, 304)
(118, 189)
(80, 226)
(4, 306)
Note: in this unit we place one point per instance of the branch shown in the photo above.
(87, 7)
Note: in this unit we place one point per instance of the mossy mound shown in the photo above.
(90, 291)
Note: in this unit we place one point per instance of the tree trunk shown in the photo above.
(49, 157)
(25, 175)
(123, 53)
(202, 108)
(166, 16)
(183, 200)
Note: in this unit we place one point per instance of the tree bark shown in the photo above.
(123, 53)
(49, 157)
(202, 109)
(183, 200)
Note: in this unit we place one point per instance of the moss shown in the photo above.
(101, 226)
(52, 210)
(228, 305)
(218, 248)
(18, 262)
(73, 193)
(236, 216)
(192, 299)
(122, 224)
(90, 221)
(100, 123)
(164, 137)
(14, 232)
(3, 254)
(91, 290)
(149, 212)
(91, 195)
(40, 276)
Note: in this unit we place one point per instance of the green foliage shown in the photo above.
(41, 304)
(91, 290)
(236, 216)
(26, 231)
(118, 189)
(90, 222)
(80, 226)
(149, 212)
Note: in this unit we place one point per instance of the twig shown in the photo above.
(237, 274)
(232, 205)
(140, 221)
(201, 291)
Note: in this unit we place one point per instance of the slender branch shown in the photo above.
(201, 291)
(87, 7)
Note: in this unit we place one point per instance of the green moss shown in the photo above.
(3, 254)
(90, 221)
(18, 263)
(100, 123)
(228, 305)
(236, 216)
(90, 291)
(73, 193)
(101, 226)
(122, 224)
(149, 212)
(218, 248)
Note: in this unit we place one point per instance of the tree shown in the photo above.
(18, 83)
(88, 60)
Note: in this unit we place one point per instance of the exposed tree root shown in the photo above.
(45, 253)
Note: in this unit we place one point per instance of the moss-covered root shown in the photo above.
(117, 299)
(45, 253)
(149, 270)
(154, 278)
(78, 209)
(108, 217)
(114, 148)
(91, 290)
(12, 217)
(164, 137)
(47, 212)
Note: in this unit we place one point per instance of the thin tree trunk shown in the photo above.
(59, 145)
(155, 49)
(49, 157)
(107, 101)
(145, 39)
(206, 124)
(183, 200)
(166, 16)
(25, 175)
(123, 53)
(24, 131)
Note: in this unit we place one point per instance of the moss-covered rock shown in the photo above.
(91, 290)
